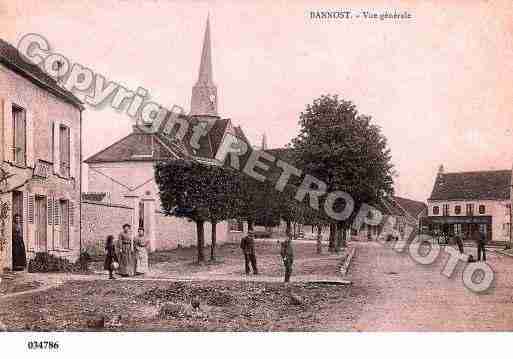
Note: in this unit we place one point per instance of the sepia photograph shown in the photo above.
(244, 167)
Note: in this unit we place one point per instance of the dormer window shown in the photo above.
(436, 210)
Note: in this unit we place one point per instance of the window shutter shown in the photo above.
(71, 213)
(56, 224)
(29, 139)
(56, 155)
(50, 211)
(31, 209)
(56, 212)
(8, 132)
(26, 232)
(72, 153)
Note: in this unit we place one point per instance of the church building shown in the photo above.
(122, 186)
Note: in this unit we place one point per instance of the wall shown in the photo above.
(100, 220)
(170, 232)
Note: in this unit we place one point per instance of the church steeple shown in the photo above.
(204, 92)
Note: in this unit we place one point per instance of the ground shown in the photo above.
(389, 292)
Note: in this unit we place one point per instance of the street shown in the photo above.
(405, 296)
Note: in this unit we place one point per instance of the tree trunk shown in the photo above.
(250, 225)
(200, 234)
(319, 239)
(332, 237)
(288, 229)
(214, 241)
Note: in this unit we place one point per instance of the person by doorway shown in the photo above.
(19, 255)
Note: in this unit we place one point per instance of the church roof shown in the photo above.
(137, 146)
(141, 146)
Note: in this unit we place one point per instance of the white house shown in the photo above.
(461, 199)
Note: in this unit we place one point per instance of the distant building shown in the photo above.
(461, 199)
(40, 155)
(398, 213)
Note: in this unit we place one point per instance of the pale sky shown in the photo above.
(440, 84)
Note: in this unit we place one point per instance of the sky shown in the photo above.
(440, 85)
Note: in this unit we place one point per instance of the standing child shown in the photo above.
(110, 257)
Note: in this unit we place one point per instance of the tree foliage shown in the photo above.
(342, 148)
(200, 192)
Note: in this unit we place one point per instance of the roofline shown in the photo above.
(27, 75)
(471, 199)
(484, 171)
(88, 159)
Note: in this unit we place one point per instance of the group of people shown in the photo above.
(247, 245)
(480, 240)
(128, 255)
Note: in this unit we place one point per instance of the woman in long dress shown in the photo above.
(19, 255)
(125, 249)
(141, 253)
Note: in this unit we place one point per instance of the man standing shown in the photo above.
(287, 254)
(247, 244)
(480, 240)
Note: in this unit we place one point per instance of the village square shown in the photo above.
(185, 224)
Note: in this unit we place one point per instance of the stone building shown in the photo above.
(461, 199)
(40, 156)
(124, 171)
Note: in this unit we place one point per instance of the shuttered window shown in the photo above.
(31, 209)
(50, 211)
(20, 136)
(64, 150)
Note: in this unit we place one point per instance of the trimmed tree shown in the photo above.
(200, 192)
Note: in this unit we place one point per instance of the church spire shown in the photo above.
(264, 142)
(204, 92)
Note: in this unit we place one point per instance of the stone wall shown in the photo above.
(101, 219)
(171, 232)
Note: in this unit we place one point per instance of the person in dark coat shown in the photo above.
(247, 244)
(110, 256)
(287, 254)
(19, 255)
(480, 240)
(459, 243)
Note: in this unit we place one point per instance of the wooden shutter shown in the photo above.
(31, 209)
(8, 132)
(56, 155)
(29, 140)
(49, 227)
(71, 211)
(26, 235)
(72, 154)
(31, 227)
(56, 224)
(50, 211)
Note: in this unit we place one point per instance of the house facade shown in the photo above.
(460, 200)
(40, 156)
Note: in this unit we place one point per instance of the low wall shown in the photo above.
(101, 219)
(171, 232)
